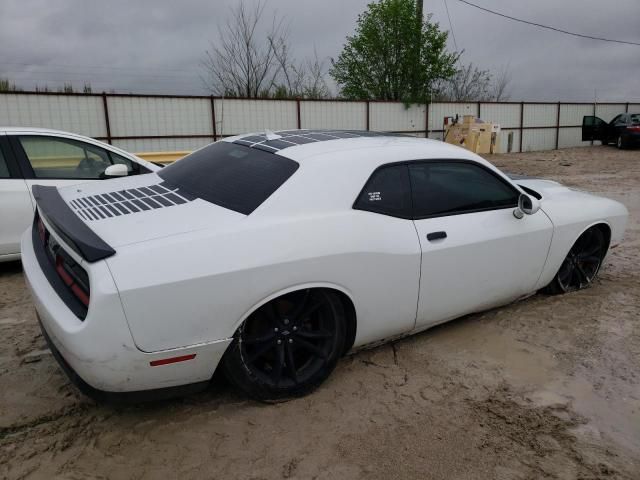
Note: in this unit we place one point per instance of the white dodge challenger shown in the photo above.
(271, 255)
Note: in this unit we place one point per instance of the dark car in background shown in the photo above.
(624, 130)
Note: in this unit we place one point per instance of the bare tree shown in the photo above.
(316, 85)
(300, 79)
(246, 63)
(67, 87)
(471, 84)
(468, 84)
(243, 63)
(292, 74)
(501, 85)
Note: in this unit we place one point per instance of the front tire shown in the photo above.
(287, 347)
(582, 263)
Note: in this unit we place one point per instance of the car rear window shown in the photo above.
(635, 118)
(232, 176)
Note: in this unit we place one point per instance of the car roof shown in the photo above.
(36, 130)
(333, 170)
(377, 147)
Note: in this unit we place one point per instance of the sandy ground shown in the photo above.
(545, 388)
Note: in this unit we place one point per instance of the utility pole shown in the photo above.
(418, 39)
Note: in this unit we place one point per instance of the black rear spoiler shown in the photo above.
(68, 225)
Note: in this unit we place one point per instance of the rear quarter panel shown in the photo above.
(198, 287)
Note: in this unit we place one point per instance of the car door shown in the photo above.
(15, 202)
(594, 128)
(389, 287)
(475, 253)
(61, 161)
(618, 126)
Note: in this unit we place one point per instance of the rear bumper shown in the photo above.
(99, 353)
(118, 397)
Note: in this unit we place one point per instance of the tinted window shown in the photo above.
(52, 157)
(590, 121)
(4, 169)
(635, 118)
(233, 176)
(445, 188)
(387, 192)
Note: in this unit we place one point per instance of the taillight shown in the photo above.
(42, 232)
(634, 128)
(66, 278)
(81, 294)
(72, 279)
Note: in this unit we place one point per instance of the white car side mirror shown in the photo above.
(117, 170)
(526, 206)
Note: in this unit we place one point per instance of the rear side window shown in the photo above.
(619, 119)
(232, 176)
(387, 192)
(449, 188)
(4, 169)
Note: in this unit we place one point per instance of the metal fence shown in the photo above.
(146, 123)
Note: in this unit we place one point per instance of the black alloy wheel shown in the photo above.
(582, 263)
(288, 346)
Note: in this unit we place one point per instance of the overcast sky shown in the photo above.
(155, 46)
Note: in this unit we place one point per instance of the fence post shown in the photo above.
(299, 121)
(558, 127)
(213, 119)
(106, 116)
(626, 108)
(594, 114)
(426, 120)
(521, 124)
(367, 115)
(479, 110)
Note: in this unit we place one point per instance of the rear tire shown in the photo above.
(582, 263)
(620, 143)
(287, 347)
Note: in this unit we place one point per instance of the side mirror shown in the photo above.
(117, 170)
(526, 206)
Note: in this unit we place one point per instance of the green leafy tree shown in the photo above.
(393, 55)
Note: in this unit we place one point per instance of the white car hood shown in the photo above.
(555, 194)
(115, 209)
(546, 188)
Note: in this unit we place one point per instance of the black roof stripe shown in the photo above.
(292, 138)
(125, 202)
